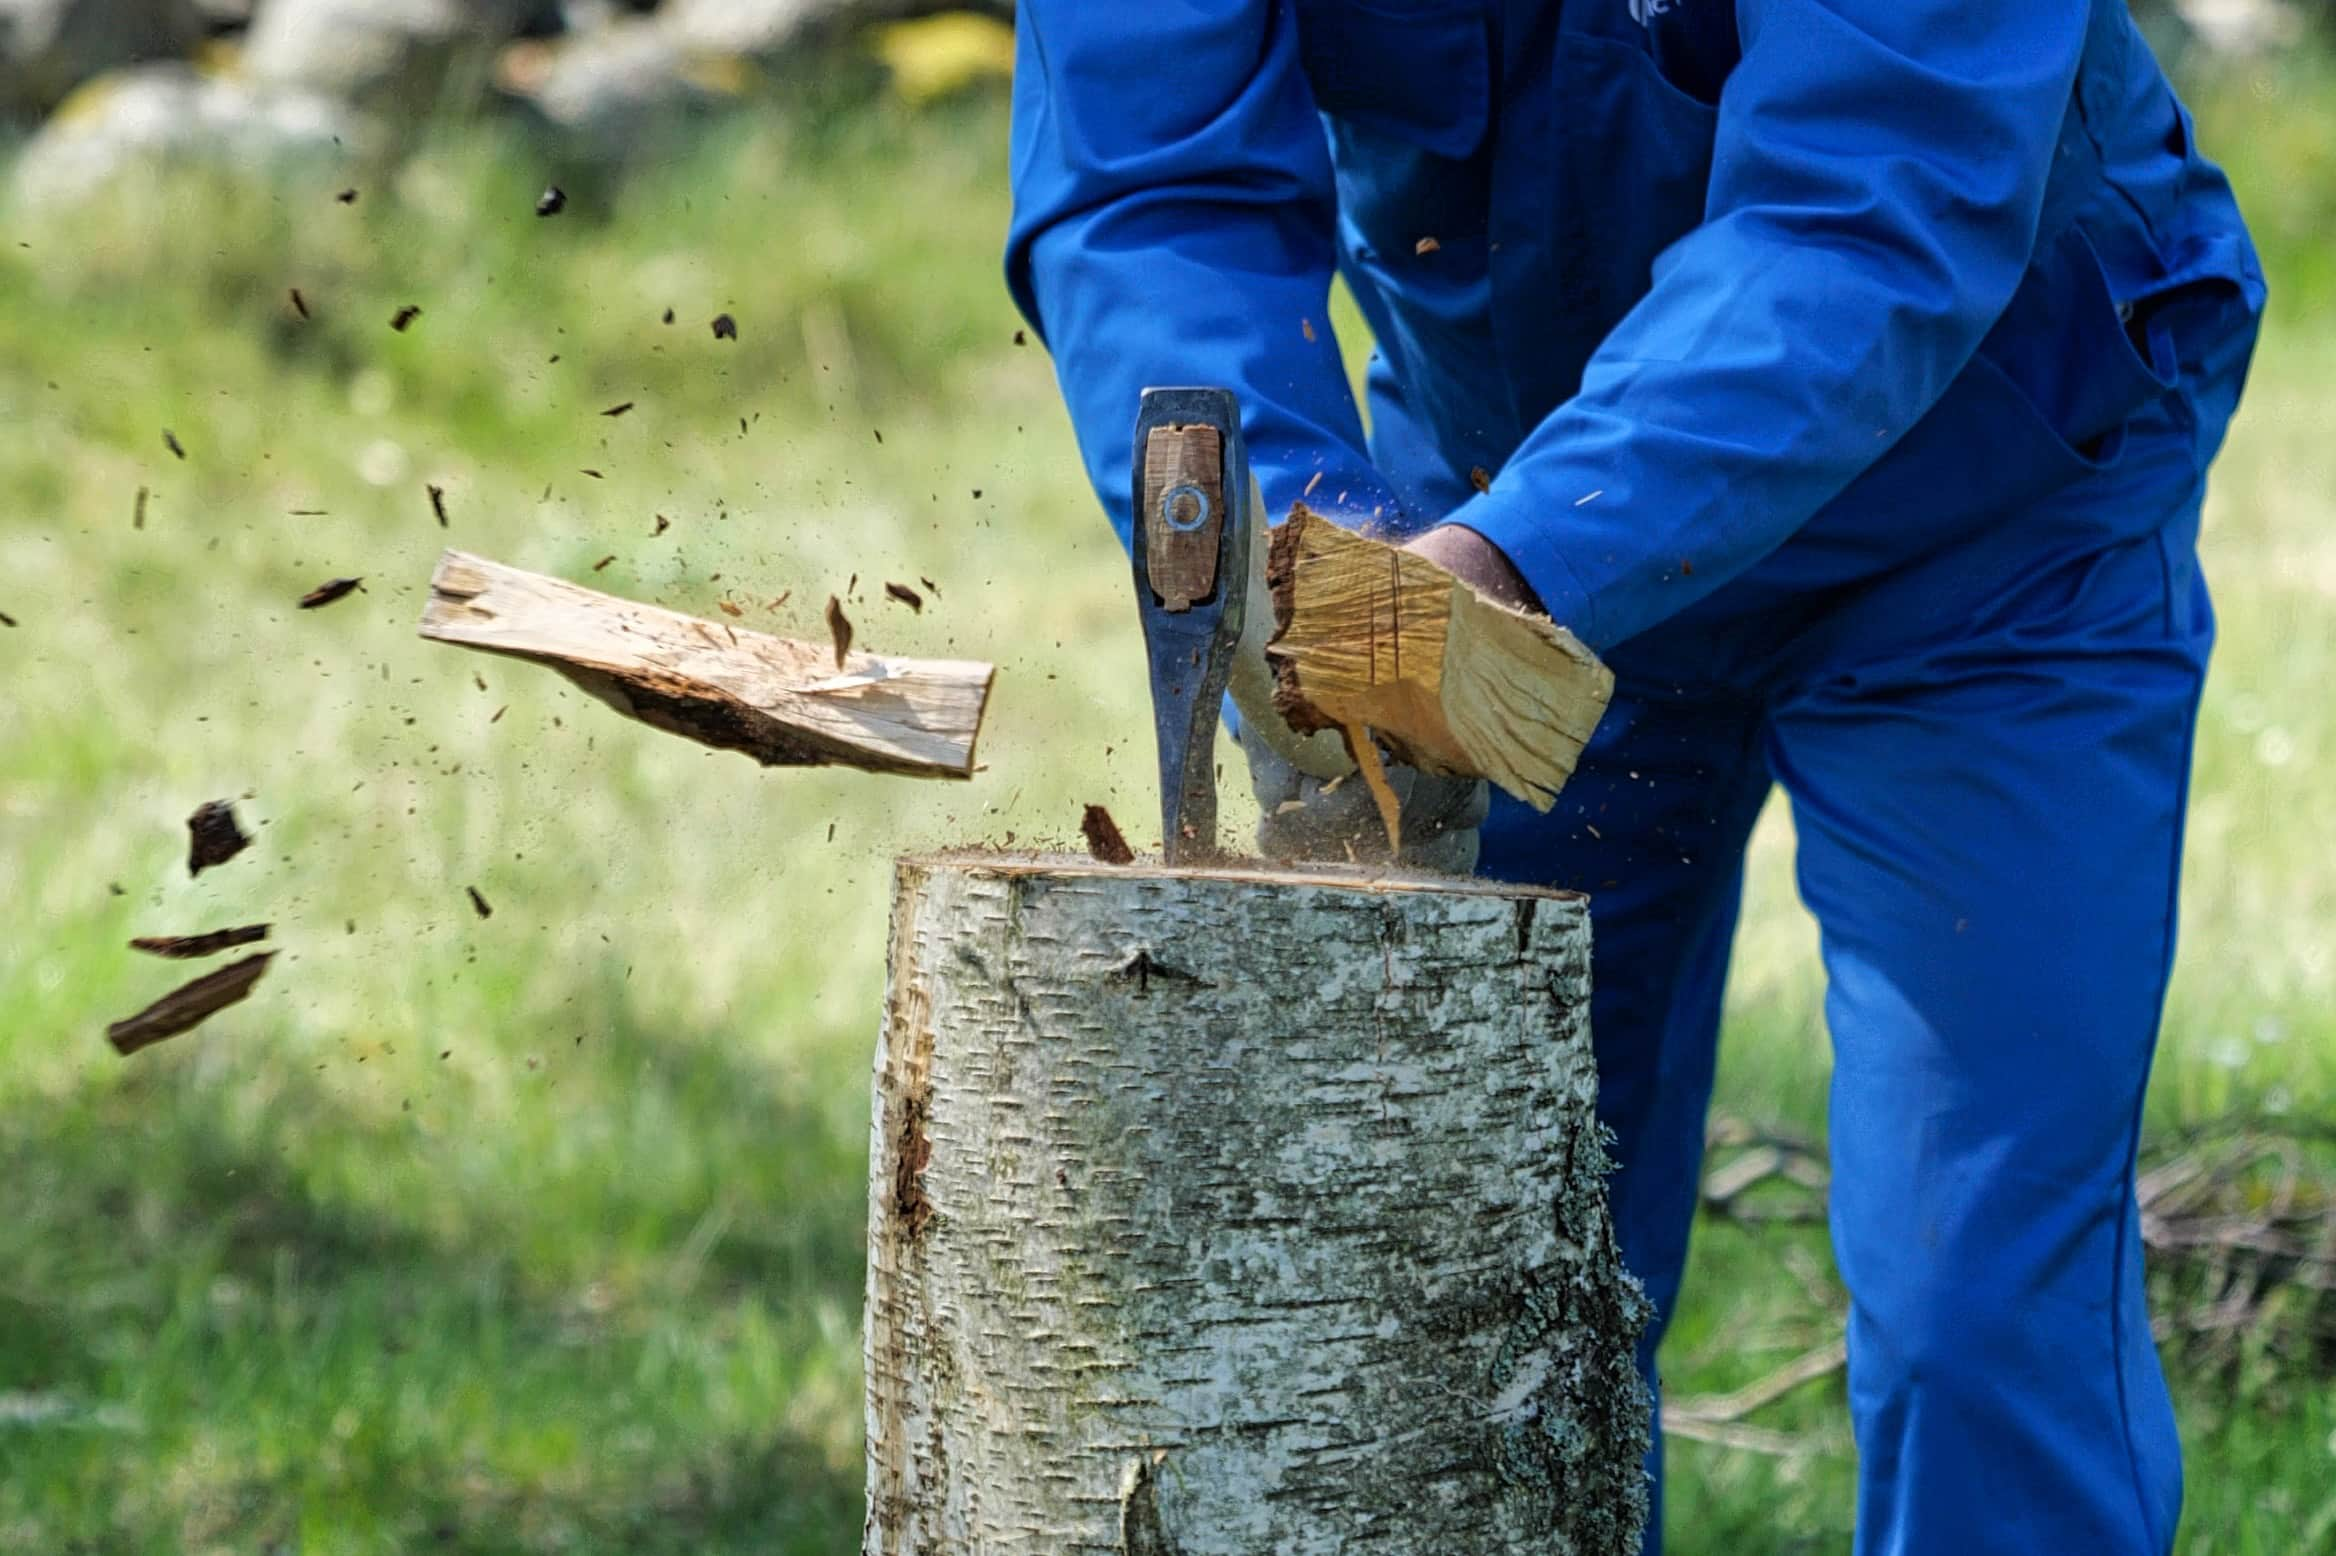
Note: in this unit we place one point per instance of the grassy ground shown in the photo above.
(540, 1232)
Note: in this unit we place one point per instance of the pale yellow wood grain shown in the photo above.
(781, 701)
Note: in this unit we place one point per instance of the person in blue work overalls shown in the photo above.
(1848, 372)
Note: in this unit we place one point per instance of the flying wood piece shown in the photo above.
(212, 836)
(188, 1005)
(1366, 634)
(783, 702)
(192, 947)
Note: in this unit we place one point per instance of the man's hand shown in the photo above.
(1476, 561)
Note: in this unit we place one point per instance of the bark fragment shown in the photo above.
(1104, 839)
(188, 1005)
(193, 947)
(213, 837)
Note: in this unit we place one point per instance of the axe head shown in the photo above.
(1191, 548)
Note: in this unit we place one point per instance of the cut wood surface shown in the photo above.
(783, 702)
(1368, 634)
(1215, 1212)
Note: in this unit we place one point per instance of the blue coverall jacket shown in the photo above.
(1847, 372)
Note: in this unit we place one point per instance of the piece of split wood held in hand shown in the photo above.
(1367, 634)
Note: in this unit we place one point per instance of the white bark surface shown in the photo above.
(1241, 1211)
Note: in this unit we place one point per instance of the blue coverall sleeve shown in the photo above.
(1877, 181)
(1173, 224)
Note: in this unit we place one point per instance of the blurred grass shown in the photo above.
(541, 1232)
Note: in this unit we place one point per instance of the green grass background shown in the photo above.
(542, 1232)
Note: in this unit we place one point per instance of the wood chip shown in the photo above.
(299, 303)
(618, 409)
(729, 608)
(7, 620)
(138, 510)
(552, 201)
(479, 903)
(170, 441)
(1480, 478)
(404, 316)
(1426, 246)
(604, 561)
(213, 837)
(1365, 752)
(839, 627)
(596, 475)
(189, 1005)
(330, 590)
(1306, 327)
(725, 327)
(663, 524)
(931, 587)
(347, 197)
(668, 319)
(907, 596)
(438, 503)
(1103, 837)
(182, 948)
(1021, 338)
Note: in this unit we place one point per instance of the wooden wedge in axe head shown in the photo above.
(1191, 548)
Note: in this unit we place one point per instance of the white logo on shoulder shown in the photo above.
(1645, 11)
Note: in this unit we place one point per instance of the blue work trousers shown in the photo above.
(1986, 749)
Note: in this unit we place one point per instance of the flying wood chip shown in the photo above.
(189, 1005)
(438, 503)
(725, 327)
(347, 197)
(138, 510)
(187, 948)
(330, 590)
(299, 303)
(403, 317)
(213, 837)
(907, 596)
(618, 409)
(479, 903)
(1103, 837)
(7, 620)
(552, 201)
(839, 627)
(170, 441)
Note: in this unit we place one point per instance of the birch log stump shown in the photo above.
(1242, 1211)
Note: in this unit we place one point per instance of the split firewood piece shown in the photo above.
(783, 702)
(188, 1005)
(1368, 634)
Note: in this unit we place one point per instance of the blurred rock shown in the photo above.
(749, 26)
(609, 86)
(408, 55)
(224, 15)
(169, 115)
(48, 47)
(2241, 26)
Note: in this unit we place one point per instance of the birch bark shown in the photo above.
(1242, 1211)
